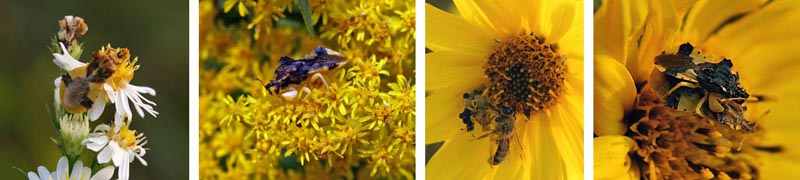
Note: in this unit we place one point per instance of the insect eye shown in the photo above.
(466, 96)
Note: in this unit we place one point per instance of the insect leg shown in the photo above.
(699, 106)
(679, 85)
(714, 103)
(319, 76)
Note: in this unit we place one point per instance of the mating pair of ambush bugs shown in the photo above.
(293, 72)
(478, 109)
(685, 76)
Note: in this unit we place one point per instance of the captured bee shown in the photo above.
(478, 110)
(291, 71)
(82, 85)
(689, 83)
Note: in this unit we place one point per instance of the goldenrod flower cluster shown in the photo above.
(361, 124)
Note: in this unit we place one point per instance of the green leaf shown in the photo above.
(24, 174)
(305, 10)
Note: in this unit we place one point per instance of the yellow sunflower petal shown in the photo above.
(453, 71)
(611, 160)
(558, 18)
(531, 16)
(566, 125)
(765, 49)
(447, 32)
(614, 23)
(575, 77)
(546, 162)
(470, 11)
(706, 16)
(450, 75)
(442, 121)
(614, 94)
(571, 44)
(661, 27)
(504, 15)
(780, 167)
(460, 158)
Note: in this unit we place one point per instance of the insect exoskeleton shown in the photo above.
(497, 121)
(687, 80)
(82, 86)
(291, 72)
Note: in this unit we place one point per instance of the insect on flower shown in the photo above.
(477, 109)
(689, 83)
(294, 72)
(82, 86)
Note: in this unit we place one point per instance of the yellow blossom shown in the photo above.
(647, 138)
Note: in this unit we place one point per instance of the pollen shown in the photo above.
(525, 73)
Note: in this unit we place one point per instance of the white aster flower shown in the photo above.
(78, 172)
(116, 88)
(65, 61)
(117, 144)
(132, 93)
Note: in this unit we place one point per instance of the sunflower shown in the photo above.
(637, 135)
(508, 60)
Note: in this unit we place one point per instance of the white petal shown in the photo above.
(104, 174)
(32, 176)
(43, 172)
(87, 173)
(62, 169)
(110, 92)
(97, 108)
(118, 155)
(141, 159)
(105, 155)
(123, 171)
(137, 103)
(57, 82)
(96, 143)
(66, 61)
(77, 170)
(143, 89)
(123, 108)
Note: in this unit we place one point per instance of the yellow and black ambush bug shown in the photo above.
(478, 109)
(688, 82)
(293, 72)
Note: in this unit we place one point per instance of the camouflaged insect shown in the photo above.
(723, 97)
(291, 71)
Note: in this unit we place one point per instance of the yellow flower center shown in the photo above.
(525, 74)
(126, 138)
(674, 144)
(688, 121)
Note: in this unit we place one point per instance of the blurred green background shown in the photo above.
(155, 31)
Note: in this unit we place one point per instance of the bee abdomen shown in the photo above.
(76, 91)
(502, 151)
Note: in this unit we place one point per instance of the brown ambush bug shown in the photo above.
(477, 109)
(689, 83)
(293, 72)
